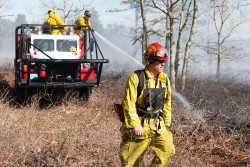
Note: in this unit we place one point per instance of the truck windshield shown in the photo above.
(44, 44)
(65, 45)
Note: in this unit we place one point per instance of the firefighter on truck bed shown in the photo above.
(53, 19)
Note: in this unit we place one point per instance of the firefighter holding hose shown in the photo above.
(147, 112)
(83, 23)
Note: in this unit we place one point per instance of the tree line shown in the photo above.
(181, 21)
(181, 24)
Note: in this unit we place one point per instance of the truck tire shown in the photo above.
(21, 95)
(85, 93)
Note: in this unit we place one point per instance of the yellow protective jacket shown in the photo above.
(82, 22)
(129, 104)
(54, 19)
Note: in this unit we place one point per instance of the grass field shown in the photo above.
(213, 132)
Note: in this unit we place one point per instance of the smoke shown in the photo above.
(131, 62)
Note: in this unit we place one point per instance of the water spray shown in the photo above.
(182, 100)
(175, 94)
(118, 49)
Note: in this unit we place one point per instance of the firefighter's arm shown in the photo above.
(129, 102)
(167, 106)
(90, 26)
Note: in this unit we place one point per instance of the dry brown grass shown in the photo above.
(86, 133)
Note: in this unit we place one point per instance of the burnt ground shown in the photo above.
(211, 126)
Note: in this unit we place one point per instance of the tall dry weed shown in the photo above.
(68, 131)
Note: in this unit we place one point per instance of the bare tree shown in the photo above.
(184, 18)
(226, 16)
(179, 13)
(188, 45)
(144, 26)
(70, 9)
(170, 12)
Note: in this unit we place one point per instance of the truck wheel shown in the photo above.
(85, 93)
(19, 95)
(22, 95)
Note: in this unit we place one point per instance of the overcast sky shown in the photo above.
(34, 10)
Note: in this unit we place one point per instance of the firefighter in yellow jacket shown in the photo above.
(83, 21)
(148, 113)
(53, 19)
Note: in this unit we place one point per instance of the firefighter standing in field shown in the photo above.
(148, 113)
(53, 19)
(83, 21)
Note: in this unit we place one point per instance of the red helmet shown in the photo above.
(155, 50)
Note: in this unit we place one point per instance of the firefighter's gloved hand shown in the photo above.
(81, 34)
(92, 30)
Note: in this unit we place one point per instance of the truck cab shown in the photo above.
(57, 46)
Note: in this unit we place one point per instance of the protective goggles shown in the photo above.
(160, 61)
(162, 54)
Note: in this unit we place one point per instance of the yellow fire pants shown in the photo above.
(133, 150)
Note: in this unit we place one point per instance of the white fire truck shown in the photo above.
(68, 60)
